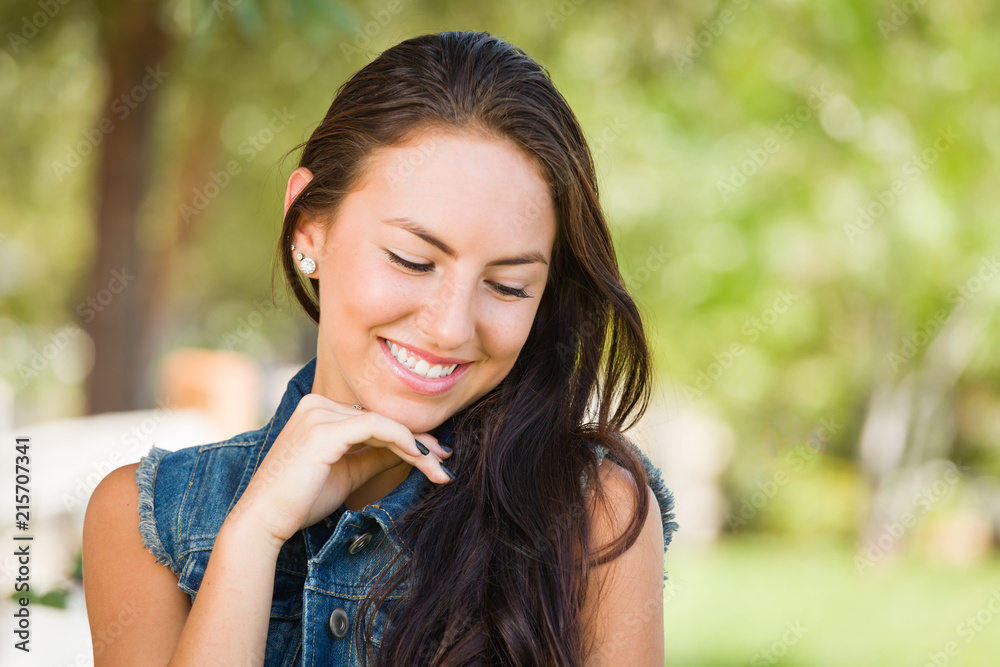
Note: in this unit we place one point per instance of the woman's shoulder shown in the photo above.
(612, 473)
(184, 495)
(116, 566)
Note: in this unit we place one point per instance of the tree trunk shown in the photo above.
(135, 49)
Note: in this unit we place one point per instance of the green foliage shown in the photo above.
(747, 152)
(55, 598)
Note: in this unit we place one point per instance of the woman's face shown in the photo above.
(430, 275)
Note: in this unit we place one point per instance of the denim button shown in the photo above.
(359, 543)
(338, 622)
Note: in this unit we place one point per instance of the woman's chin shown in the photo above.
(417, 418)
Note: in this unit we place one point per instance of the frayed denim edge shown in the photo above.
(145, 478)
(664, 497)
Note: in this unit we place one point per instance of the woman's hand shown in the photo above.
(309, 471)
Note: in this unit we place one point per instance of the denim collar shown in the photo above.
(385, 510)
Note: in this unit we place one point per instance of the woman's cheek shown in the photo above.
(384, 289)
(513, 320)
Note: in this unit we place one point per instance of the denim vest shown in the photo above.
(323, 571)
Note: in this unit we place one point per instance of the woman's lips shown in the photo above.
(418, 383)
(427, 356)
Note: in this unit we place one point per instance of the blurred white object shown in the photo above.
(692, 449)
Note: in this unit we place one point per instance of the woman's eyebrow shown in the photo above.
(419, 230)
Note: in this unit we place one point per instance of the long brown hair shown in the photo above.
(497, 562)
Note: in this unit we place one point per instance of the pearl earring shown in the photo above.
(307, 264)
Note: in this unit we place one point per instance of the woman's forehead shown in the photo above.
(461, 183)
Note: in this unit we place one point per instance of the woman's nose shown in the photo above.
(448, 317)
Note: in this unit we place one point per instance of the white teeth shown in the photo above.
(420, 366)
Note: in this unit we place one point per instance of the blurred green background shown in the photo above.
(804, 200)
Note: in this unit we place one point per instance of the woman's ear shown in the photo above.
(296, 182)
(307, 235)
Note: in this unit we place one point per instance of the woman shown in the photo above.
(430, 489)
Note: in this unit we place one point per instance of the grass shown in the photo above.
(763, 601)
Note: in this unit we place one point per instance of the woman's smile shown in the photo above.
(422, 371)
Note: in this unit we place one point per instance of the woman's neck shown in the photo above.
(377, 487)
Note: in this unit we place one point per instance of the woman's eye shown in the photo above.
(511, 291)
(505, 290)
(412, 266)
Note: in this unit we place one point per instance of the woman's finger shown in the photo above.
(379, 432)
(433, 444)
(343, 410)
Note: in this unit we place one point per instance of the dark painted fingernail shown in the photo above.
(446, 448)
(421, 448)
(446, 471)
